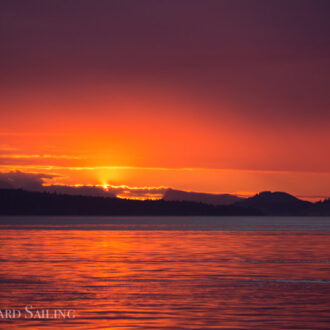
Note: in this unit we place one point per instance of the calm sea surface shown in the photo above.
(166, 272)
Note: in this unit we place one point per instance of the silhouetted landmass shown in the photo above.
(276, 203)
(21, 202)
(213, 199)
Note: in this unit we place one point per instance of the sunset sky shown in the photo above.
(209, 96)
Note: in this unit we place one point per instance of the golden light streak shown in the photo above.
(93, 168)
(139, 198)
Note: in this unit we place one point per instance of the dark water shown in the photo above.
(166, 273)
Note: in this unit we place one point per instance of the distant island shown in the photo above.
(22, 202)
(189, 196)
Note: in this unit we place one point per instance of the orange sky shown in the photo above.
(142, 97)
(137, 140)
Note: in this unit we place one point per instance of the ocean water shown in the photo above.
(165, 273)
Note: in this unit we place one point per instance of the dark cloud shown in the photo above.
(79, 190)
(28, 181)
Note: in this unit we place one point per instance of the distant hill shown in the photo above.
(21, 202)
(213, 199)
(277, 203)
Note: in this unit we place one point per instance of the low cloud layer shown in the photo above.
(78, 190)
(138, 192)
(36, 182)
(109, 191)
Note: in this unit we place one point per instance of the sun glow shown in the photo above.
(105, 187)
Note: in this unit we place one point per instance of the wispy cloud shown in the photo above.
(38, 156)
(23, 167)
(12, 133)
(7, 148)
